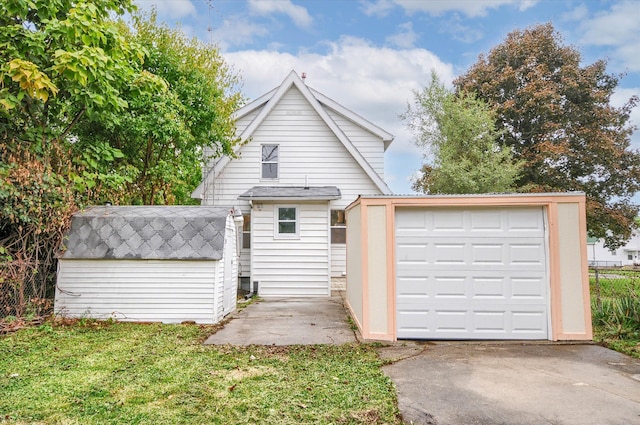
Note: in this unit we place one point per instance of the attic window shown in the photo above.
(269, 162)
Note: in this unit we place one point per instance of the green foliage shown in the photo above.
(119, 373)
(92, 111)
(459, 132)
(556, 116)
(62, 62)
(179, 106)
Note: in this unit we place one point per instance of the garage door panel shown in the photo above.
(458, 322)
(467, 274)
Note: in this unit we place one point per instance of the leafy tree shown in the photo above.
(459, 132)
(557, 117)
(165, 131)
(61, 62)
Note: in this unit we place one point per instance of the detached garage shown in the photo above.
(150, 263)
(469, 267)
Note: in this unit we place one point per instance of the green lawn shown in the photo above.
(122, 373)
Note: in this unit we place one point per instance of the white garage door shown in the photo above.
(473, 273)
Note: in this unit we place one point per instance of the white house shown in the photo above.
(150, 263)
(304, 159)
(626, 255)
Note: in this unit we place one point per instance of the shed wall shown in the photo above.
(169, 291)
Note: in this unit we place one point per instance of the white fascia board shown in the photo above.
(386, 137)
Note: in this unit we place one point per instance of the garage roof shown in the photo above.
(147, 232)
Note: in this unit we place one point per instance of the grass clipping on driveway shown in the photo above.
(122, 373)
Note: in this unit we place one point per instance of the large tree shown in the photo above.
(556, 115)
(61, 62)
(164, 132)
(460, 139)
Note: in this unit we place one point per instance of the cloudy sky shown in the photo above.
(369, 55)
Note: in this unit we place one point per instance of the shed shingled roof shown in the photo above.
(147, 232)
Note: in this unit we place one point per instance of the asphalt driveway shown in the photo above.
(515, 383)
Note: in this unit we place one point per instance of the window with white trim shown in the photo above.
(287, 223)
(338, 227)
(269, 162)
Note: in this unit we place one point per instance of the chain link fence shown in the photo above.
(613, 282)
(24, 295)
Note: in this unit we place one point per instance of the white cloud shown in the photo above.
(237, 31)
(298, 14)
(174, 9)
(577, 14)
(375, 82)
(459, 31)
(471, 8)
(618, 29)
(379, 8)
(405, 38)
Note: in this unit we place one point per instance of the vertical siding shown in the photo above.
(229, 289)
(355, 289)
(308, 148)
(168, 291)
(292, 267)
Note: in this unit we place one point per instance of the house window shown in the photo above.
(246, 231)
(338, 227)
(630, 257)
(269, 162)
(287, 225)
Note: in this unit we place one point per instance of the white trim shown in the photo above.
(277, 162)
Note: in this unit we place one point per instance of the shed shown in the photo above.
(150, 263)
(510, 266)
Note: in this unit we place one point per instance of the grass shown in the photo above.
(93, 372)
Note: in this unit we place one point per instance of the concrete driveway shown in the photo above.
(288, 321)
(514, 383)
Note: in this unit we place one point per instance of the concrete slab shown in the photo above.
(288, 321)
(517, 383)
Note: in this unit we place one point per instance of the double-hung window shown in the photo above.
(338, 227)
(287, 223)
(269, 162)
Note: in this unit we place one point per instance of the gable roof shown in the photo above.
(147, 232)
(269, 100)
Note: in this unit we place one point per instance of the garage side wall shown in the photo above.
(354, 264)
(574, 290)
(169, 291)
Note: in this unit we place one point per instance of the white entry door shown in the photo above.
(471, 273)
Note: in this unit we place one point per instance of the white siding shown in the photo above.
(169, 291)
(308, 149)
(369, 145)
(228, 290)
(601, 256)
(338, 260)
(291, 267)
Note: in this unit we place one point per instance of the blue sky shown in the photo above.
(370, 55)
